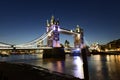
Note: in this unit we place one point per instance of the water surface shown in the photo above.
(101, 67)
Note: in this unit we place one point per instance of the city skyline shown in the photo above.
(22, 21)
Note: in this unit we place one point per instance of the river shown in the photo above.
(101, 67)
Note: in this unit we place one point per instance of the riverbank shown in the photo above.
(21, 71)
(106, 53)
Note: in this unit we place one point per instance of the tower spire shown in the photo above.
(48, 24)
(52, 20)
(77, 28)
(52, 17)
(57, 21)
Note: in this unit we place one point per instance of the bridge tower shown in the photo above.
(53, 38)
(78, 38)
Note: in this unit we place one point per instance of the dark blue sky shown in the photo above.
(24, 20)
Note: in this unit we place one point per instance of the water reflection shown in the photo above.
(78, 68)
(101, 67)
(104, 67)
(71, 65)
(20, 57)
(60, 66)
(54, 64)
(113, 58)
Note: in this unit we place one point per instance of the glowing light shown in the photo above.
(53, 27)
(71, 30)
(49, 34)
(78, 49)
(58, 28)
(78, 72)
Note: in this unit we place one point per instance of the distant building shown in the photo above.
(95, 47)
(113, 45)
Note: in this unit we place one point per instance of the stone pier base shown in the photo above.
(54, 53)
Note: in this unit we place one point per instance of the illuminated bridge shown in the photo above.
(51, 36)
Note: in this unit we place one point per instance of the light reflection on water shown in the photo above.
(78, 69)
(104, 67)
(70, 65)
(20, 57)
(101, 67)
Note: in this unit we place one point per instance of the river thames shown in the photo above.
(101, 67)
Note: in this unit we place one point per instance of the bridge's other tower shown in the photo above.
(53, 38)
(78, 38)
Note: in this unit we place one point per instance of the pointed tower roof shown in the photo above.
(52, 20)
(57, 21)
(47, 23)
(52, 17)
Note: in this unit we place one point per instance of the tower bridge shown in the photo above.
(53, 31)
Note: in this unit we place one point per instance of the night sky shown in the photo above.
(22, 21)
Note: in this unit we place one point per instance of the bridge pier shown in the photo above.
(57, 52)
